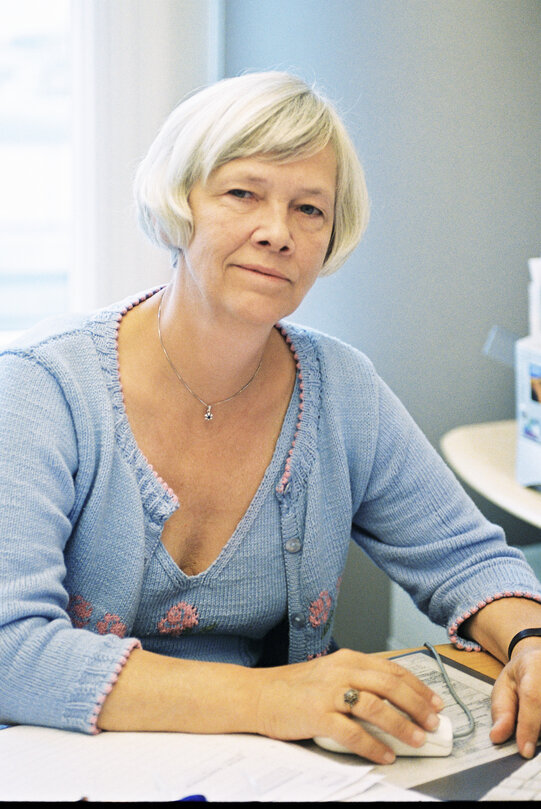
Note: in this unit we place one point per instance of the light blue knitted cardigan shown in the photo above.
(81, 513)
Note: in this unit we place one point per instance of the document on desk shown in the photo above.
(43, 764)
(468, 752)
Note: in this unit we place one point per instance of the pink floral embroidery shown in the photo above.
(111, 625)
(79, 611)
(178, 619)
(320, 609)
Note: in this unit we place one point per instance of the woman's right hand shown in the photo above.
(303, 700)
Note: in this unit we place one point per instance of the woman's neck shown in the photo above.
(211, 362)
(215, 356)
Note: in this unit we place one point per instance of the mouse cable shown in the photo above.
(471, 721)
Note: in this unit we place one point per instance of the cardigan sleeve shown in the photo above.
(419, 525)
(51, 673)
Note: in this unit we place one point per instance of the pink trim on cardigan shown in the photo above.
(94, 729)
(125, 311)
(471, 645)
(287, 471)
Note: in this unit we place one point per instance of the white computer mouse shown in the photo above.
(438, 742)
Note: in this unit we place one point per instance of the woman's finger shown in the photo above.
(390, 668)
(376, 689)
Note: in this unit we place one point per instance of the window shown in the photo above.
(35, 160)
(84, 87)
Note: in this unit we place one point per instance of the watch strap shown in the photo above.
(524, 633)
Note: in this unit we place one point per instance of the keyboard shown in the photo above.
(522, 785)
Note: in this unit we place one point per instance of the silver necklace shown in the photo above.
(208, 412)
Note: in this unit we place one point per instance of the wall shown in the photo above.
(443, 103)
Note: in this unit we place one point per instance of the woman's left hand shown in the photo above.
(516, 698)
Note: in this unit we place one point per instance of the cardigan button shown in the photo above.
(298, 620)
(293, 545)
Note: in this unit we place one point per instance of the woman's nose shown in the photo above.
(274, 231)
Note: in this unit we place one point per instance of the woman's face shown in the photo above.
(261, 234)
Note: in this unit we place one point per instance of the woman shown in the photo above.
(180, 474)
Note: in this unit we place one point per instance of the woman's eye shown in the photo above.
(310, 210)
(240, 193)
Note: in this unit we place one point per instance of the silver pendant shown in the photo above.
(208, 414)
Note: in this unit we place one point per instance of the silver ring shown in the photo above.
(351, 697)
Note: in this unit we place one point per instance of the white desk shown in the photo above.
(483, 455)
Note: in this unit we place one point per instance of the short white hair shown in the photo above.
(273, 115)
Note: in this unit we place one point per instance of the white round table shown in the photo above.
(483, 455)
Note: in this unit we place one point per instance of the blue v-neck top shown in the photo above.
(84, 577)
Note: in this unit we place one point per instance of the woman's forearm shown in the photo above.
(158, 693)
(496, 624)
(296, 701)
